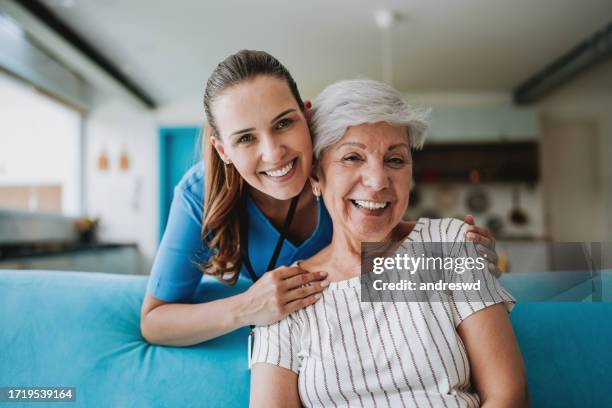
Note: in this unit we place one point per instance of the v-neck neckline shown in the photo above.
(253, 208)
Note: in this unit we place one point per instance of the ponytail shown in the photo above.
(221, 225)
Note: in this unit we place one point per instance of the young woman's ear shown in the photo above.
(307, 109)
(218, 145)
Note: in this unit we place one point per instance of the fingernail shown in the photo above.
(325, 283)
(470, 235)
(318, 296)
(480, 248)
(323, 273)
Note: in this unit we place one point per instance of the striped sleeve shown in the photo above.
(277, 344)
(489, 292)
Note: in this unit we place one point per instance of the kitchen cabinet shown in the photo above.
(492, 161)
(490, 124)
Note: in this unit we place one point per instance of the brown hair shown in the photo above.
(224, 187)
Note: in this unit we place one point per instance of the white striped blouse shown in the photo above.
(379, 354)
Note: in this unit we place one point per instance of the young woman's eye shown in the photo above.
(245, 138)
(283, 123)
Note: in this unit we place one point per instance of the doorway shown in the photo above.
(179, 149)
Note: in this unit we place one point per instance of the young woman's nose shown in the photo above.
(272, 149)
(374, 175)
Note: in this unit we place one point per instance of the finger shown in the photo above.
(302, 279)
(479, 239)
(479, 230)
(305, 291)
(485, 233)
(488, 253)
(302, 303)
(469, 219)
(289, 272)
(494, 270)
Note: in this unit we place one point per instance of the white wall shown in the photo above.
(582, 106)
(571, 169)
(127, 202)
(185, 112)
(39, 142)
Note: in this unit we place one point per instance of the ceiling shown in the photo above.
(170, 47)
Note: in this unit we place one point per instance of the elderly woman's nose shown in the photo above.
(272, 150)
(375, 176)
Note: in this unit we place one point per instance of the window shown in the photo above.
(40, 144)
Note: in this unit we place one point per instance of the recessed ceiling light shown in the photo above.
(385, 18)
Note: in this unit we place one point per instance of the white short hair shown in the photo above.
(360, 101)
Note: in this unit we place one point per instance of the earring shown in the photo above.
(227, 174)
(316, 192)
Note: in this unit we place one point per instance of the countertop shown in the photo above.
(39, 249)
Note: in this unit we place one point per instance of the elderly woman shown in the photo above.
(347, 351)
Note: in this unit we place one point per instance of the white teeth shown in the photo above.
(281, 172)
(371, 205)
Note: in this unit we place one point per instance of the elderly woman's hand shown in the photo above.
(485, 243)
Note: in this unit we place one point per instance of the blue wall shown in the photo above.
(178, 151)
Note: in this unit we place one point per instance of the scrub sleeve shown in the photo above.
(175, 275)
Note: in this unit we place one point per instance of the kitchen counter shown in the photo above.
(40, 249)
(107, 257)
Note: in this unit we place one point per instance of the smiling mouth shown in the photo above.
(281, 171)
(370, 205)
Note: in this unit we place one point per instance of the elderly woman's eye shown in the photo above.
(351, 157)
(283, 123)
(397, 160)
(245, 138)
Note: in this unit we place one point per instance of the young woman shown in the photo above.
(249, 213)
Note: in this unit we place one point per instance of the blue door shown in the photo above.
(178, 151)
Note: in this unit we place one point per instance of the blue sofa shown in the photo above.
(82, 330)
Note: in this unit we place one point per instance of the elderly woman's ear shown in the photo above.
(315, 174)
(316, 186)
(315, 178)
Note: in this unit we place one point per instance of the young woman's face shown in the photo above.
(265, 135)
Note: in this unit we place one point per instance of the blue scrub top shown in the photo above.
(175, 276)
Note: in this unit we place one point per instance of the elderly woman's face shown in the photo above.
(365, 179)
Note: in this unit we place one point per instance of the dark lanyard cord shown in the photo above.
(244, 242)
(244, 236)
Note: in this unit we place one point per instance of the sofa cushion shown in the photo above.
(83, 330)
(567, 348)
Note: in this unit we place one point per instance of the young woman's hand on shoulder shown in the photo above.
(281, 292)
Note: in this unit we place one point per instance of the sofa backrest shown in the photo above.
(83, 330)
